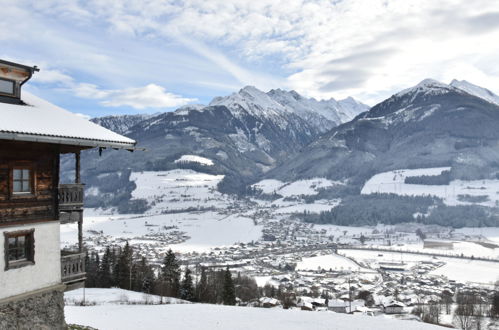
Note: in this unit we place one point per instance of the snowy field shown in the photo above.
(178, 190)
(465, 248)
(297, 188)
(195, 159)
(218, 317)
(489, 233)
(206, 230)
(461, 270)
(115, 296)
(330, 261)
(474, 271)
(393, 182)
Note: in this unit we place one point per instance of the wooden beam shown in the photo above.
(77, 167)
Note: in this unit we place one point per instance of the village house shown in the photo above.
(34, 273)
(393, 307)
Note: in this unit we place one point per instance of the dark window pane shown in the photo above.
(12, 255)
(12, 242)
(21, 253)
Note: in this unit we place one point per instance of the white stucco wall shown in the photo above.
(47, 268)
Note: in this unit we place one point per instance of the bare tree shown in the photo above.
(465, 311)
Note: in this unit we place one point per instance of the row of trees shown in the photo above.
(392, 209)
(443, 178)
(120, 267)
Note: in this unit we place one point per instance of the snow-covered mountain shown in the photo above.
(278, 103)
(120, 124)
(478, 91)
(244, 134)
(431, 124)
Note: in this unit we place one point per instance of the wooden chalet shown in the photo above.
(34, 272)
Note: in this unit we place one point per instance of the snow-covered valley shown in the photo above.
(260, 237)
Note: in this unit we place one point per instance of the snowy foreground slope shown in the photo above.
(218, 317)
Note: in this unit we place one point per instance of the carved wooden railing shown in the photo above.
(72, 267)
(71, 197)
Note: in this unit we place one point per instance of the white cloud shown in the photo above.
(150, 96)
(364, 48)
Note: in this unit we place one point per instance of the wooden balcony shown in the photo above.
(71, 197)
(73, 269)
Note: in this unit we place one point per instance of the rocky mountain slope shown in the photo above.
(245, 135)
(429, 125)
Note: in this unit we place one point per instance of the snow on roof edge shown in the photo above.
(28, 137)
(41, 121)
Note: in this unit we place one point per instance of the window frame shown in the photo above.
(30, 248)
(14, 88)
(32, 182)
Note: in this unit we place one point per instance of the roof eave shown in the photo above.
(84, 143)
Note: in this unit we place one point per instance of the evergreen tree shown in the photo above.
(144, 276)
(187, 288)
(104, 272)
(170, 275)
(229, 291)
(202, 287)
(122, 269)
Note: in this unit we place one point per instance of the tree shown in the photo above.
(420, 234)
(122, 269)
(229, 294)
(494, 308)
(104, 279)
(246, 287)
(447, 300)
(170, 275)
(465, 310)
(187, 288)
(202, 287)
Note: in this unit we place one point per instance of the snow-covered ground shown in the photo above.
(178, 190)
(459, 247)
(461, 270)
(327, 262)
(206, 230)
(393, 182)
(195, 159)
(489, 233)
(474, 271)
(115, 296)
(211, 317)
(297, 188)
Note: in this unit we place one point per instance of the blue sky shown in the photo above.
(101, 57)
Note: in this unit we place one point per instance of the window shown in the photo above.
(21, 182)
(7, 87)
(19, 248)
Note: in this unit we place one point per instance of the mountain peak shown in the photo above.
(426, 86)
(475, 90)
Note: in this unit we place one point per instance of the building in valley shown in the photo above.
(34, 273)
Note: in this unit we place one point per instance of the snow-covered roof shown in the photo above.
(41, 121)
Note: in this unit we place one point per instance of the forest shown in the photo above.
(369, 210)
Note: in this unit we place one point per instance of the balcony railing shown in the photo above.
(72, 268)
(70, 197)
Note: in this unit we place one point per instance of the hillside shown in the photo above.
(245, 134)
(429, 125)
(210, 317)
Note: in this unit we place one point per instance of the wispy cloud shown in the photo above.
(150, 96)
(364, 48)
